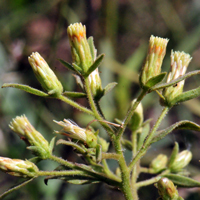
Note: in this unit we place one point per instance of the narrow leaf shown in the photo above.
(185, 124)
(98, 153)
(51, 144)
(82, 182)
(173, 155)
(163, 85)
(16, 187)
(155, 80)
(185, 96)
(67, 65)
(26, 88)
(182, 180)
(96, 64)
(92, 47)
(74, 94)
(109, 87)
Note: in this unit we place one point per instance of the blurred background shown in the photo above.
(121, 29)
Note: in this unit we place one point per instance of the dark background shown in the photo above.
(121, 29)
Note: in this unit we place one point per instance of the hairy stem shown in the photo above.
(147, 142)
(134, 171)
(152, 180)
(75, 105)
(95, 110)
(130, 113)
(125, 185)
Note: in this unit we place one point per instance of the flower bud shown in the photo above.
(27, 132)
(159, 163)
(167, 190)
(181, 161)
(95, 83)
(179, 64)
(154, 59)
(16, 167)
(84, 135)
(45, 75)
(80, 48)
(104, 144)
(137, 118)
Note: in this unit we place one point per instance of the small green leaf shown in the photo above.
(109, 87)
(51, 145)
(14, 188)
(82, 182)
(182, 180)
(92, 47)
(98, 153)
(74, 94)
(96, 64)
(155, 80)
(77, 68)
(163, 85)
(67, 65)
(185, 124)
(35, 160)
(26, 88)
(173, 155)
(185, 96)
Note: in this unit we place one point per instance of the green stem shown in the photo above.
(95, 110)
(125, 172)
(148, 139)
(109, 173)
(147, 170)
(152, 180)
(110, 156)
(130, 113)
(125, 185)
(62, 161)
(68, 173)
(134, 172)
(75, 105)
(16, 187)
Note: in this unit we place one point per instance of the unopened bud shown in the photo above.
(80, 48)
(159, 163)
(16, 167)
(45, 75)
(181, 161)
(167, 190)
(154, 59)
(137, 118)
(95, 83)
(179, 64)
(27, 132)
(104, 144)
(84, 135)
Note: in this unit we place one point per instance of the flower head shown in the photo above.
(179, 64)
(181, 161)
(154, 59)
(84, 135)
(159, 163)
(33, 138)
(166, 189)
(80, 48)
(45, 75)
(18, 167)
(95, 83)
